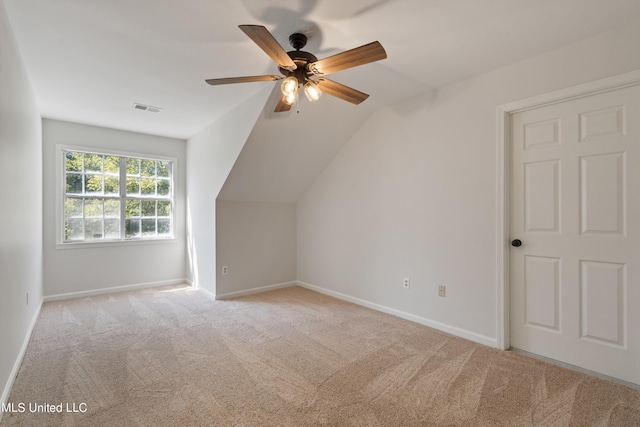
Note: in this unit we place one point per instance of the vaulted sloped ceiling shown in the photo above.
(90, 60)
(285, 152)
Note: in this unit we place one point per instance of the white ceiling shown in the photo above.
(90, 60)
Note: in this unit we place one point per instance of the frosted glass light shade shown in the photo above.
(312, 91)
(289, 86)
(290, 99)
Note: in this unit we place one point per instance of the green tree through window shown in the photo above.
(112, 198)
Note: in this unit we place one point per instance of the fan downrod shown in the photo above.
(297, 40)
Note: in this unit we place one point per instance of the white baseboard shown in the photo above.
(208, 293)
(453, 330)
(82, 294)
(18, 362)
(230, 295)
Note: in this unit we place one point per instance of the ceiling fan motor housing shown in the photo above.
(301, 59)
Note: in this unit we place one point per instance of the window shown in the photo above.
(112, 197)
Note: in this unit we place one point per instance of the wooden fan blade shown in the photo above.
(248, 79)
(281, 106)
(341, 91)
(263, 38)
(351, 58)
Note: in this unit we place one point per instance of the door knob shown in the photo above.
(516, 242)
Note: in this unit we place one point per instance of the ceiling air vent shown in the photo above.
(146, 108)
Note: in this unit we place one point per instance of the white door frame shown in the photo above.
(503, 166)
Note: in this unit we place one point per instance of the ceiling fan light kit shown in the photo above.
(303, 69)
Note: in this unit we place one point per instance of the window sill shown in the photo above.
(113, 243)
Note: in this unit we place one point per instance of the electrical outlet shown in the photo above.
(225, 270)
(442, 291)
(406, 283)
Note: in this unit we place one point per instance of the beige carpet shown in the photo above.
(289, 357)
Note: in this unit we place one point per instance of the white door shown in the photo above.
(575, 206)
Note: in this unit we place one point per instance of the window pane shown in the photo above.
(148, 168)
(164, 227)
(133, 186)
(73, 161)
(93, 208)
(111, 185)
(148, 208)
(163, 187)
(164, 169)
(148, 187)
(72, 208)
(73, 229)
(93, 183)
(92, 162)
(93, 229)
(132, 208)
(112, 228)
(112, 208)
(112, 164)
(74, 183)
(133, 166)
(164, 208)
(132, 227)
(148, 227)
(95, 193)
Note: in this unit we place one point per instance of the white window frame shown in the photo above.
(124, 241)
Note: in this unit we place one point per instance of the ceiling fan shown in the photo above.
(303, 69)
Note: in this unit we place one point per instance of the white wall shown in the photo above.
(286, 145)
(414, 192)
(86, 269)
(257, 242)
(21, 195)
(210, 156)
